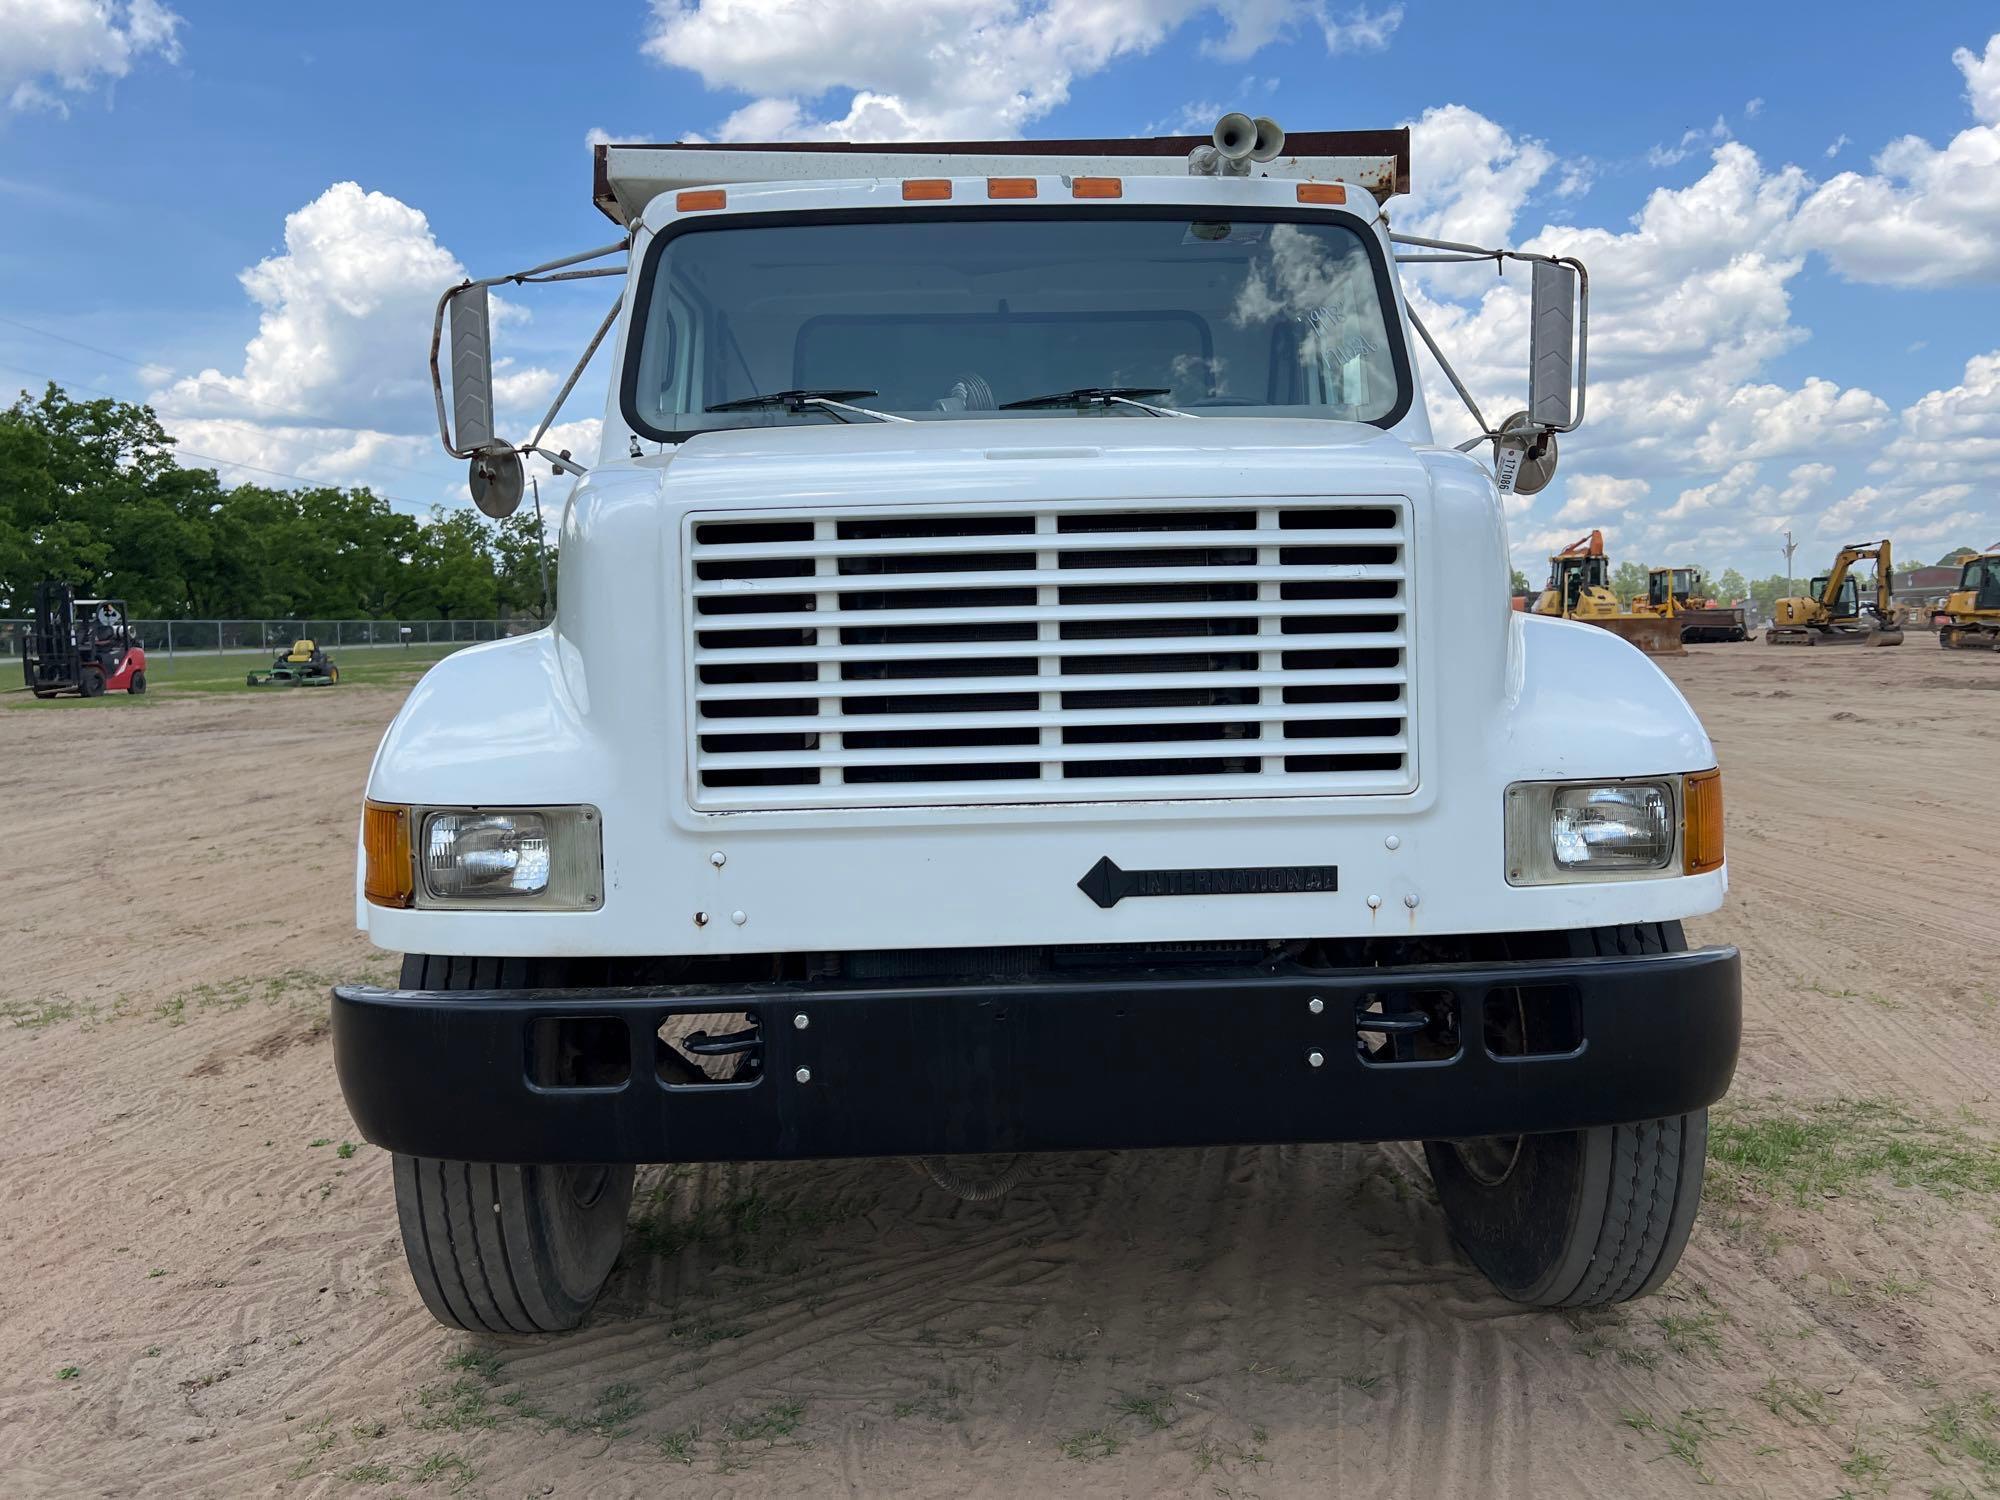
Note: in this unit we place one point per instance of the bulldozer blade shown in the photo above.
(1884, 638)
(1654, 635)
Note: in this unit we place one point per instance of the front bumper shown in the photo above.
(1049, 1064)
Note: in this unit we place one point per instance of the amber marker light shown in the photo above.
(1010, 187)
(1322, 192)
(1097, 187)
(700, 198)
(1701, 822)
(391, 873)
(921, 189)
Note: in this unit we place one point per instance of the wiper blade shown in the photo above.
(1100, 395)
(832, 401)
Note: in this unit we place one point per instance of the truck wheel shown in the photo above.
(1581, 1218)
(504, 1249)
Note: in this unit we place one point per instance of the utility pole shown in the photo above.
(1790, 547)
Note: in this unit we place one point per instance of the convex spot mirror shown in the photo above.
(497, 480)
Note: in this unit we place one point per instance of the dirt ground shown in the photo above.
(202, 1292)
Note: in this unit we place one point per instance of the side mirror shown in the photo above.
(1552, 348)
(472, 369)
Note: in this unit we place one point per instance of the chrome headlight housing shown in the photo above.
(1568, 832)
(488, 858)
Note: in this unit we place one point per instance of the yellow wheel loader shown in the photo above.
(1832, 615)
(1972, 612)
(1579, 588)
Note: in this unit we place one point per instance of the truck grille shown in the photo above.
(1075, 652)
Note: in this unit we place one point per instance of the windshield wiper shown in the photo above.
(832, 401)
(1101, 395)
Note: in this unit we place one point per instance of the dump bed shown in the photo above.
(628, 177)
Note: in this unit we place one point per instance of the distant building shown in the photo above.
(1923, 588)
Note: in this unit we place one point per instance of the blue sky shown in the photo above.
(1792, 220)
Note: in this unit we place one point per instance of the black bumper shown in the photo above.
(1048, 1065)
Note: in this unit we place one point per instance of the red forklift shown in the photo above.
(81, 646)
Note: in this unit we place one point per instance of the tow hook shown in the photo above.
(749, 1042)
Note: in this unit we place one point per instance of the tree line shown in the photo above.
(90, 494)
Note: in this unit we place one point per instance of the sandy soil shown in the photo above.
(200, 1294)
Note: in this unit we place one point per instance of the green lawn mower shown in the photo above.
(305, 665)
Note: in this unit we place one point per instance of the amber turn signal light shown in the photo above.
(390, 877)
(1701, 826)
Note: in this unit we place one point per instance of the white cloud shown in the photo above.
(1950, 436)
(1768, 421)
(1926, 216)
(1670, 156)
(1475, 176)
(1753, 108)
(1839, 144)
(1593, 497)
(945, 69)
(344, 323)
(50, 48)
(1982, 79)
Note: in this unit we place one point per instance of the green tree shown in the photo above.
(1520, 583)
(1731, 586)
(1628, 582)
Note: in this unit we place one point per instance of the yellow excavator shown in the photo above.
(1972, 612)
(1832, 616)
(1579, 588)
(1680, 595)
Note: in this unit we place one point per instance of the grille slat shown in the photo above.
(1061, 653)
(1068, 578)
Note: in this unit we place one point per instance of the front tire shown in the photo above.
(137, 684)
(1580, 1218)
(496, 1248)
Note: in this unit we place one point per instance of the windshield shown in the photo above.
(953, 317)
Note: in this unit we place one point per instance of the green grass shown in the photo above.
(210, 672)
(1684, 1434)
(768, 1425)
(678, 1446)
(1090, 1445)
(1686, 1333)
(444, 1466)
(68, 1372)
(1155, 1413)
(1967, 1430)
(1843, 1148)
(1785, 1397)
(34, 1014)
(458, 1407)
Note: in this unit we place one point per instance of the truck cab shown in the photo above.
(1027, 678)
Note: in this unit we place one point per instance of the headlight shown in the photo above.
(471, 858)
(1568, 832)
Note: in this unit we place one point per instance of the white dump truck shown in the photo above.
(1027, 679)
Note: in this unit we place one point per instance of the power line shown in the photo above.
(296, 416)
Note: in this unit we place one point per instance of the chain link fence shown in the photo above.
(216, 637)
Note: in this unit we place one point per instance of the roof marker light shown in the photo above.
(1010, 187)
(916, 188)
(1322, 192)
(700, 198)
(1097, 187)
